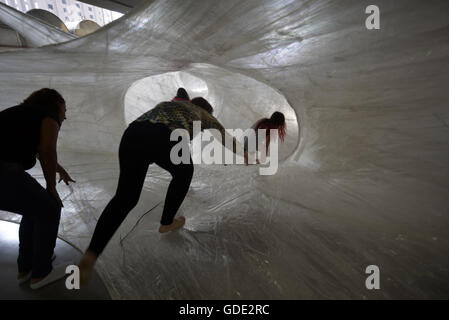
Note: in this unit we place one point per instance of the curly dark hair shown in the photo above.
(45, 98)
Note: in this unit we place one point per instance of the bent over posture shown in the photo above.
(27, 131)
(147, 141)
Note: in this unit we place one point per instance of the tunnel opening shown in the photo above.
(238, 101)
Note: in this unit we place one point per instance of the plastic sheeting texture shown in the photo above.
(366, 184)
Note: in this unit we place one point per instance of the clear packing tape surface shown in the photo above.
(363, 176)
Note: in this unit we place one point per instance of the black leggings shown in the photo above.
(142, 144)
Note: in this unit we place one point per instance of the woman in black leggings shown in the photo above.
(147, 141)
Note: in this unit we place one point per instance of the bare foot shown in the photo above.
(86, 265)
(176, 224)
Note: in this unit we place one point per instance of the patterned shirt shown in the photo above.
(180, 115)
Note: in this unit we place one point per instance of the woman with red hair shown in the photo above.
(276, 121)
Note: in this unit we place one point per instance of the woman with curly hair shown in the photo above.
(29, 131)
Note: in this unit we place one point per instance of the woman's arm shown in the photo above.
(267, 141)
(63, 175)
(48, 156)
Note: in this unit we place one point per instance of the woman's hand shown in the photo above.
(63, 175)
(54, 193)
